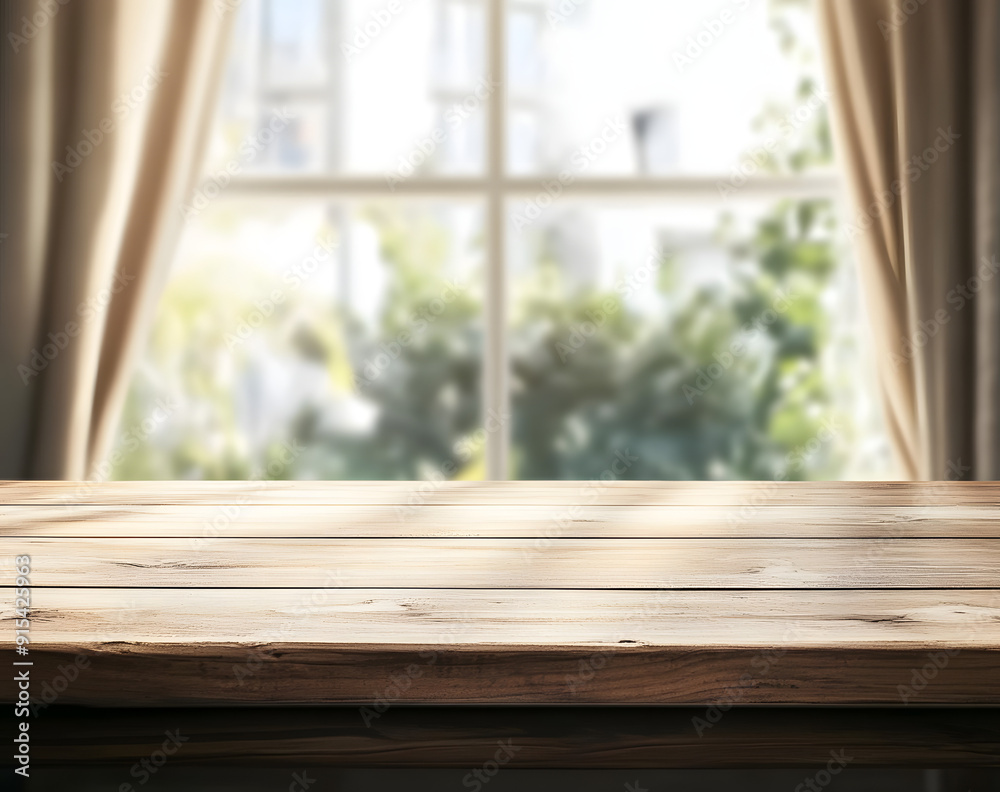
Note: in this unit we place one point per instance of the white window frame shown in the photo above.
(495, 187)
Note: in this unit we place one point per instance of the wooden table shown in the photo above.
(742, 611)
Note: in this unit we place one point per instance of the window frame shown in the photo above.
(494, 188)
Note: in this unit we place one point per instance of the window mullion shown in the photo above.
(496, 391)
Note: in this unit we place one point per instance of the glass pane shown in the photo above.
(688, 340)
(293, 44)
(314, 341)
(369, 87)
(661, 87)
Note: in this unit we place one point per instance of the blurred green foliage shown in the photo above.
(729, 387)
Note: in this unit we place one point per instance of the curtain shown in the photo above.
(916, 98)
(105, 106)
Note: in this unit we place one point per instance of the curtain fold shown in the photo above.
(105, 106)
(915, 93)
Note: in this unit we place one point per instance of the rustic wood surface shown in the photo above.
(563, 493)
(142, 562)
(547, 593)
(513, 521)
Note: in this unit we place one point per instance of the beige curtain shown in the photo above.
(916, 95)
(105, 107)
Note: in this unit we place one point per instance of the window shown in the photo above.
(532, 239)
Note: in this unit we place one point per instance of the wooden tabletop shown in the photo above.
(369, 594)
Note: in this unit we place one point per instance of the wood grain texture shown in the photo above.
(376, 676)
(139, 562)
(581, 737)
(712, 494)
(531, 593)
(208, 522)
(534, 618)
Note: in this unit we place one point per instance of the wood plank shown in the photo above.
(749, 495)
(247, 520)
(374, 648)
(379, 676)
(338, 617)
(505, 563)
(580, 737)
